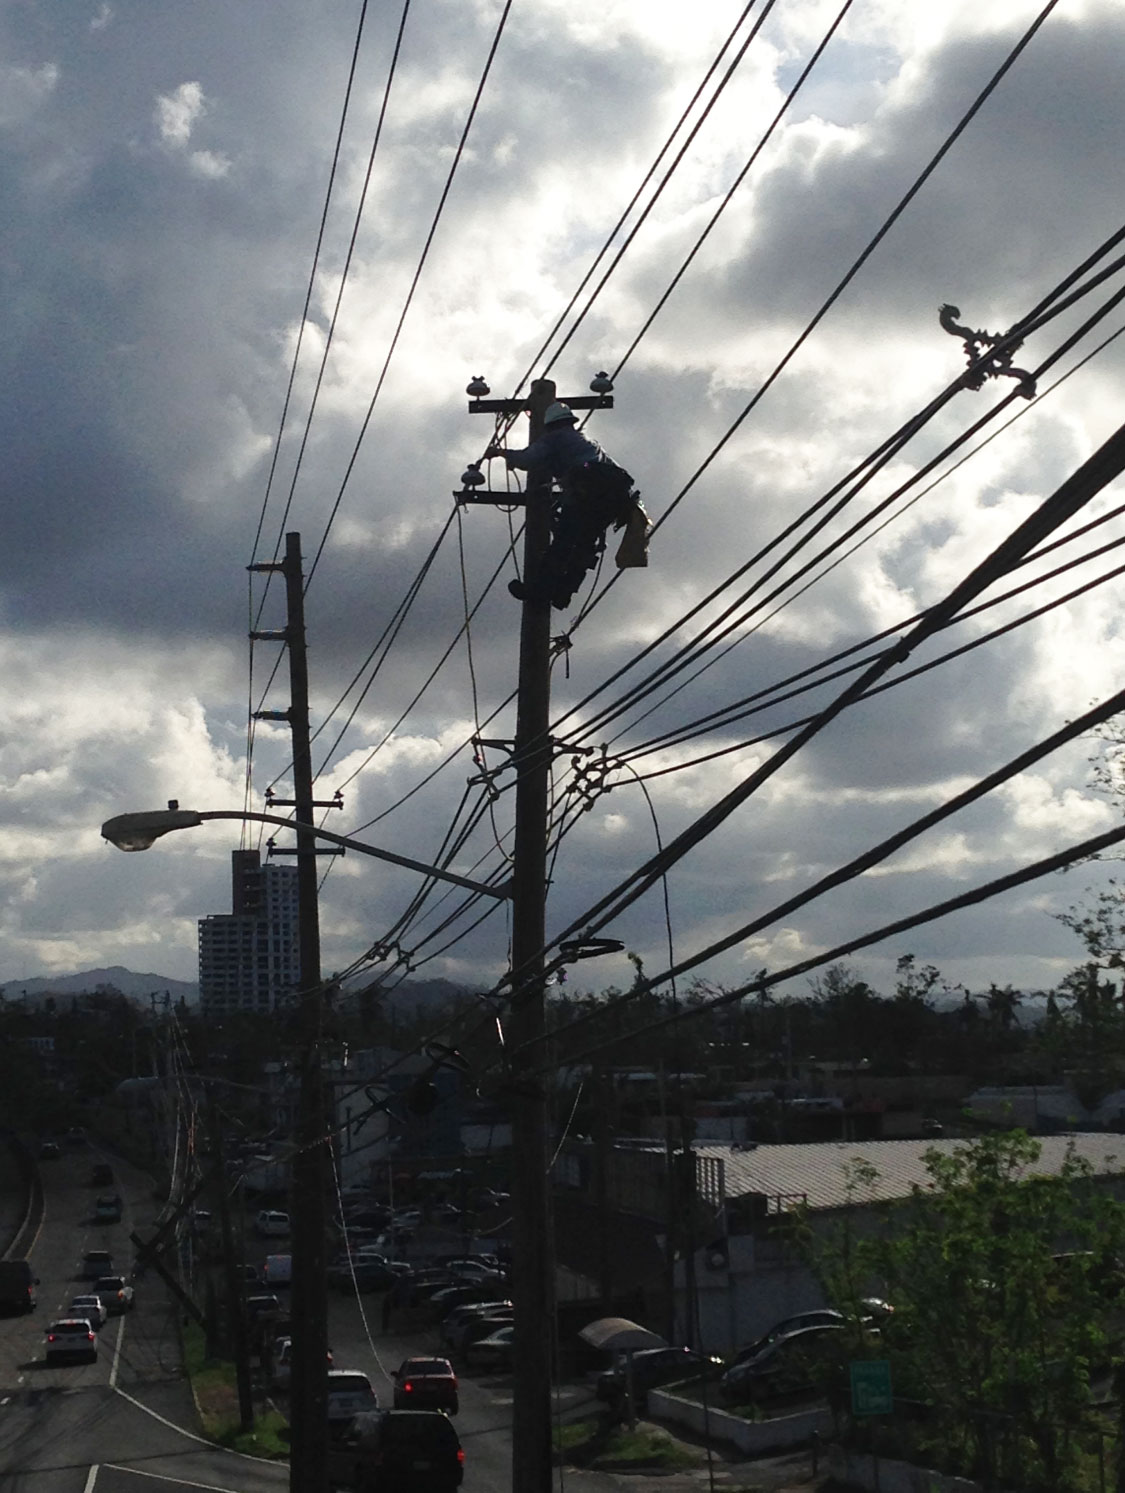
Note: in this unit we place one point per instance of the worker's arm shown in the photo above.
(521, 459)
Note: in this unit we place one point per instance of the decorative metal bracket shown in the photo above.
(984, 364)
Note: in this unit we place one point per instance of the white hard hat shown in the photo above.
(557, 412)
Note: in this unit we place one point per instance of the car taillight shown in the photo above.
(90, 1336)
(461, 1455)
(50, 1337)
(407, 1387)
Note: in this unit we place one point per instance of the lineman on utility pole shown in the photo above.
(594, 493)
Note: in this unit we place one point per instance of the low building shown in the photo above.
(711, 1242)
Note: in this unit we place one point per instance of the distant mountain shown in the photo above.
(414, 994)
(136, 987)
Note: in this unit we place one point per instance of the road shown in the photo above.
(127, 1423)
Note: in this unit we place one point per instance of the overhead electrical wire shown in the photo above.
(649, 174)
(1102, 467)
(312, 279)
(722, 626)
(457, 156)
(250, 723)
(1073, 855)
(909, 674)
(344, 273)
(865, 254)
(839, 494)
(877, 854)
(878, 529)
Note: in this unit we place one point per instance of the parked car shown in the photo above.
(473, 1267)
(71, 1337)
(49, 1150)
(479, 1327)
(454, 1320)
(399, 1451)
(90, 1306)
(250, 1275)
(423, 1283)
(442, 1302)
(819, 1317)
(367, 1217)
(491, 1354)
(360, 1275)
(95, 1263)
(652, 1367)
(426, 1384)
(349, 1393)
(115, 1293)
(272, 1223)
(108, 1209)
(795, 1362)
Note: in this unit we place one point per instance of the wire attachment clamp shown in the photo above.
(983, 363)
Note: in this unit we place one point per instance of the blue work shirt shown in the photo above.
(559, 452)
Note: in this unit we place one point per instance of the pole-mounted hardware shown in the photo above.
(572, 949)
(984, 363)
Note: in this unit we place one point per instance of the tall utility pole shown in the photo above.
(308, 1390)
(532, 1261)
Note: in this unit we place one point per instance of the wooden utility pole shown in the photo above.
(532, 1260)
(308, 1388)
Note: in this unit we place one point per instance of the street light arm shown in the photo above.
(139, 831)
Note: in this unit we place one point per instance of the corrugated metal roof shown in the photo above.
(820, 1171)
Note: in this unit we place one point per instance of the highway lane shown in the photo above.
(126, 1421)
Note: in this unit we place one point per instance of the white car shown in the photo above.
(271, 1223)
(71, 1337)
(349, 1393)
(91, 1307)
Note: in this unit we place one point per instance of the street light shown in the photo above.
(140, 831)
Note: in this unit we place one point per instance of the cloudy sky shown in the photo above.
(165, 169)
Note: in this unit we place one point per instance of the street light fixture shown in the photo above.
(140, 831)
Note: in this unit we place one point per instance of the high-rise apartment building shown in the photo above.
(249, 958)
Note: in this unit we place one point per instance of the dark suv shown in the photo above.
(397, 1451)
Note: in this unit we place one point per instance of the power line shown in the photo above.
(458, 153)
(859, 262)
(880, 852)
(843, 494)
(1073, 855)
(1083, 484)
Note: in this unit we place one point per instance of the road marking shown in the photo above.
(91, 1479)
(191, 1435)
(117, 1352)
(180, 1482)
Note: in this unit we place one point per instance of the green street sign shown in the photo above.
(871, 1387)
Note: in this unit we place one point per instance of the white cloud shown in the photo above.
(178, 112)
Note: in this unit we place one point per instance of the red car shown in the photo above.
(426, 1384)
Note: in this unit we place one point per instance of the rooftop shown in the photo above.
(820, 1170)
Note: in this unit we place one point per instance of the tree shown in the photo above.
(996, 1329)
